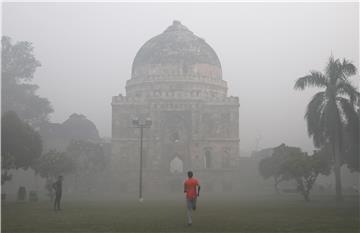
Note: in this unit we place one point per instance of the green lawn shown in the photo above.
(247, 215)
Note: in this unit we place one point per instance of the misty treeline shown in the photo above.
(30, 140)
(332, 117)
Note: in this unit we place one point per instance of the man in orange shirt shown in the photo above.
(190, 186)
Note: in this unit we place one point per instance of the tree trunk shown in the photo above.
(276, 186)
(302, 189)
(306, 196)
(337, 173)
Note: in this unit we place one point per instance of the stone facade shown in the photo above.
(177, 83)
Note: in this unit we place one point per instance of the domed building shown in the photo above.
(176, 81)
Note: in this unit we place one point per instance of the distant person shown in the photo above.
(190, 186)
(57, 186)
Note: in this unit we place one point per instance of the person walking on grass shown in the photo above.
(192, 190)
(57, 186)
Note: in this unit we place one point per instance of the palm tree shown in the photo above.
(330, 111)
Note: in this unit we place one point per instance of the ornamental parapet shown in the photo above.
(178, 79)
(126, 100)
(231, 100)
(208, 100)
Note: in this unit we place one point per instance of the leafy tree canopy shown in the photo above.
(304, 169)
(290, 163)
(20, 144)
(351, 156)
(53, 163)
(272, 166)
(18, 67)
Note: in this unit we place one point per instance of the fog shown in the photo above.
(87, 49)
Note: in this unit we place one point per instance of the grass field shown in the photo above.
(247, 215)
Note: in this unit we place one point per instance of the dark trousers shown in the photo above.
(57, 202)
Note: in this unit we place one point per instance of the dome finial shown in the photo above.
(176, 22)
(176, 26)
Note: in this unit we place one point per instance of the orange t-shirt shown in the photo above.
(190, 188)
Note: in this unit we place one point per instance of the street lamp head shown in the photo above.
(135, 121)
(148, 122)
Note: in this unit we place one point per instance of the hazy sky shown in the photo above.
(87, 49)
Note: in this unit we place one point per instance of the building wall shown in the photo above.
(201, 134)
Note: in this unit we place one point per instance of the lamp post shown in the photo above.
(141, 125)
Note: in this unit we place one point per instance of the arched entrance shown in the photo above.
(176, 165)
(207, 159)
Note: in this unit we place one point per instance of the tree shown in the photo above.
(76, 127)
(18, 68)
(290, 163)
(51, 165)
(20, 145)
(330, 111)
(351, 151)
(304, 169)
(89, 160)
(270, 167)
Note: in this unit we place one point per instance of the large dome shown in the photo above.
(176, 54)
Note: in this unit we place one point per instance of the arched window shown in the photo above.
(207, 159)
(176, 165)
(226, 157)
